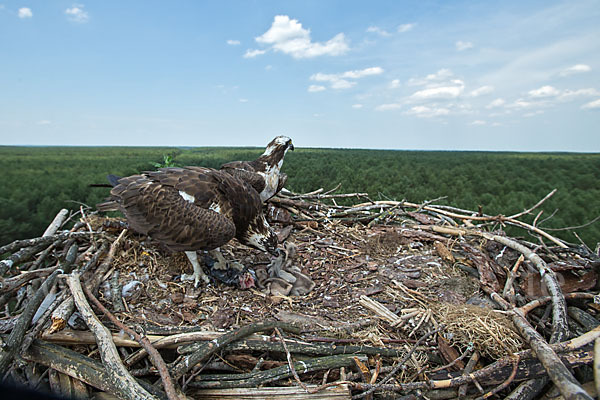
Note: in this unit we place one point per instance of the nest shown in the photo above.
(490, 332)
(395, 288)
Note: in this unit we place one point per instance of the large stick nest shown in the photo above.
(386, 274)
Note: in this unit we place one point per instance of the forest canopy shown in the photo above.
(39, 181)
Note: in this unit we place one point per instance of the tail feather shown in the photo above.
(108, 206)
(112, 179)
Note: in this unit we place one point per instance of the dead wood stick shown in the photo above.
(254, 379)
(21, 255)
(77, 366)
(188, 362)
(63, 312)
(498, 218)
(39, 325)
(154, 355)
(492, 374)
(43, 255)
(13, 343)
(504, 384)
(525, 309)
(72, 337)
(597, 365)
(558, 373)
(46, 241)
(120, 381)
(116, 290)
(297, 347)
(539, 203)
(274, 393)
(290, 363)
(58, 220)
(12, 284)
(509, 290)
(462, 390)
(400, 363)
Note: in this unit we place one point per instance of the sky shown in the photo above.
(411, 75)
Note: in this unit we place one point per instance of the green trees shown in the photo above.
(38, 181)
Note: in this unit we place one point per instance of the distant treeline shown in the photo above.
(38, 181)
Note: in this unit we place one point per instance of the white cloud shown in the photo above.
(77, 14)
(251, 53)
(461, 46)
(441, 75)
(25, 12)
(478, 122)
(496, 103)
(533, 113)
(405, 27)
(592, 105)
(570, 94)
(575, 69)
(288, 36)
(481, 91)
(378, 30)
(44, 122)
(442, 92)
(232, 42)
(520, 103)
(341, 81)
(388, 107)
(544, 91)
(243, 100)
(428, 112)
(357, 106)
(316, 88)
(395, 84)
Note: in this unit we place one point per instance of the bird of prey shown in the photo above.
(192, 208)
(263, 173)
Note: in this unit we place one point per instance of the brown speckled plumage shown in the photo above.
(263, 173)
(157, 204)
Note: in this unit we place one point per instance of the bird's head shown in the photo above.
(260, 235)
(277, 148)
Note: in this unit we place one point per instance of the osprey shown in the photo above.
(192, 208)
(263, 173)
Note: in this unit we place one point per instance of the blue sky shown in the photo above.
(450, 75)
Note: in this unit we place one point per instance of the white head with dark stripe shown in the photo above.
(276, 150)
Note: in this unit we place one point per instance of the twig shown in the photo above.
(13, 343)
(539, 203)
(121, 382)
(560, 375)
(462, 390)
(188, 362)
(154, 355)
(400, 363)
(56, 222)
(290, 363)
(504, 384)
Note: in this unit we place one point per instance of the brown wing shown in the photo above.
(154, 206)
(246, 172)
(282, 180)
(211, 188)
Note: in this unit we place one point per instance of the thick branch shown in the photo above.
(121, 382)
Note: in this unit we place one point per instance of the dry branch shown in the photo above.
(188, 362)
(155, 356)
(120, 381)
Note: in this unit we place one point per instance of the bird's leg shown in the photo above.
(220, 262)
(198, 273)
